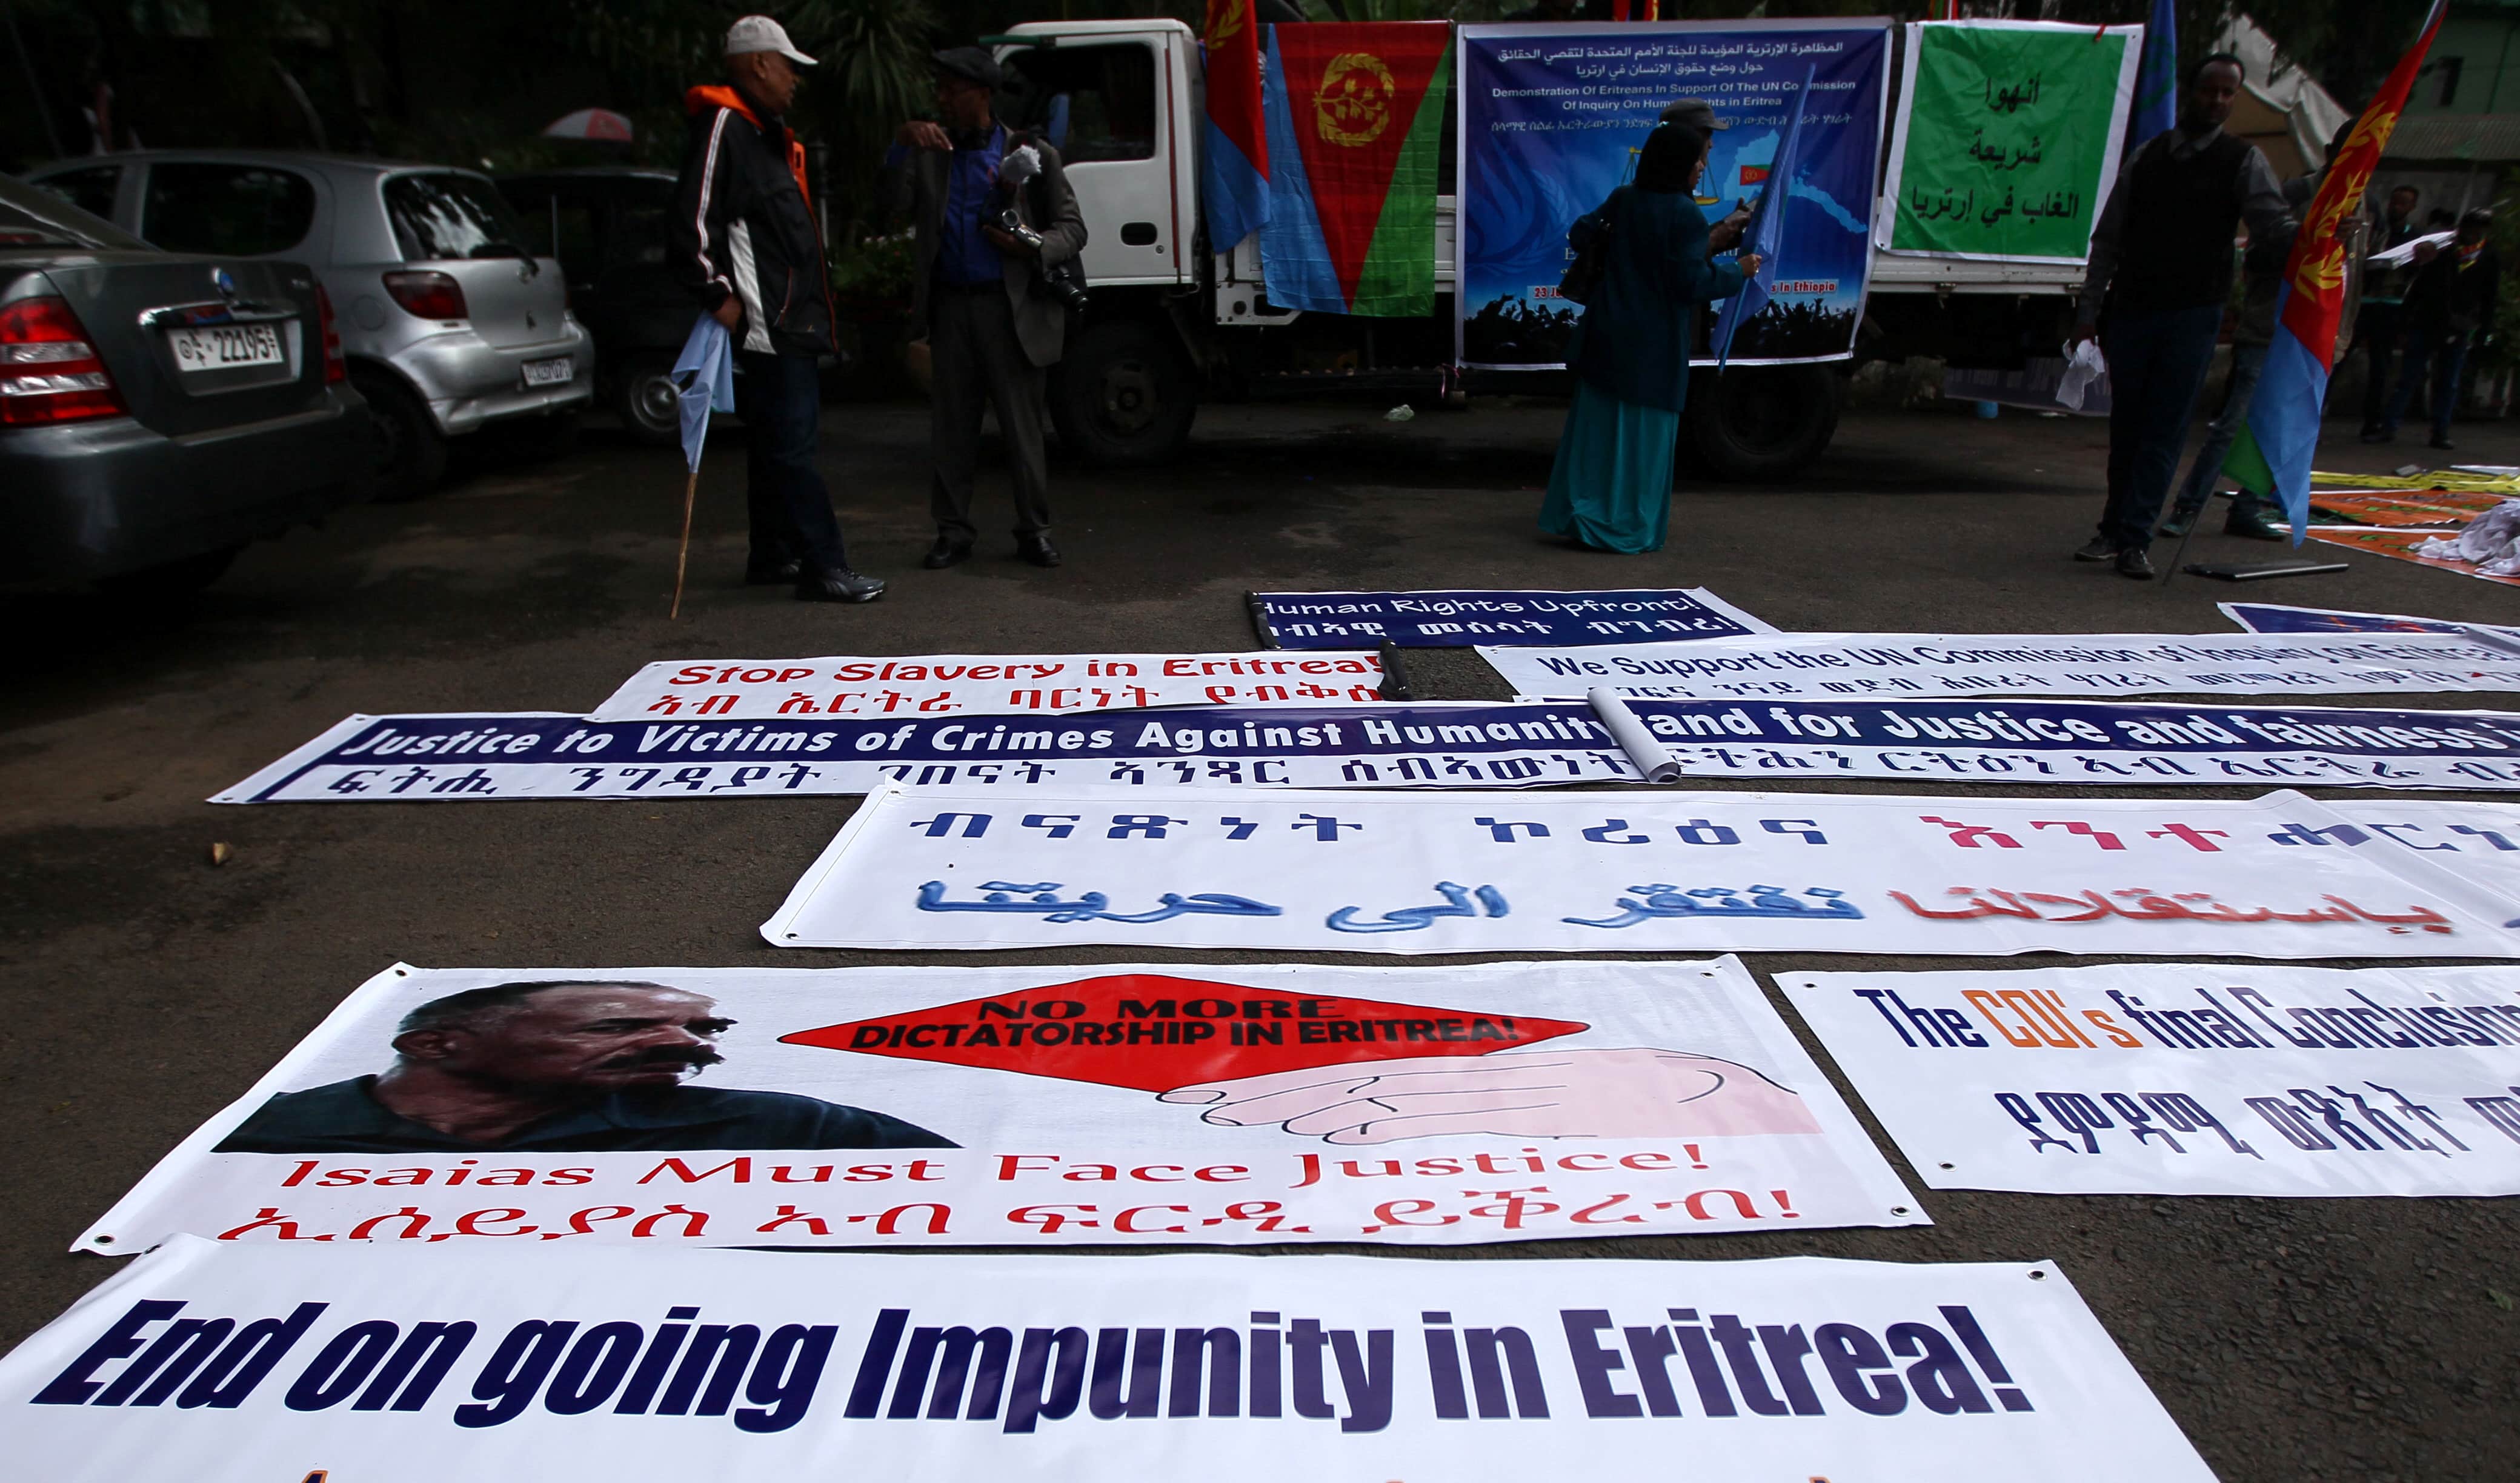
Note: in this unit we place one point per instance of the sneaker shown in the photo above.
(2180, 521)
(2137, 562)
(2380, 435)
(2100, 549)
(838, 585)
(2443, 442)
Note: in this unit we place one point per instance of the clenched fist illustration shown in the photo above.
(1531, 1094)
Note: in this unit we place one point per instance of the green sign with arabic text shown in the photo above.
(2007, 140)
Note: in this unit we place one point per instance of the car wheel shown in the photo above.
(1761, 422)
(645, 397)
(410, 451)
(1123, 396)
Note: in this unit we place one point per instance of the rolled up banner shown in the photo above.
(1653, 761)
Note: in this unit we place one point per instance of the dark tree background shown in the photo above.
(473, 81)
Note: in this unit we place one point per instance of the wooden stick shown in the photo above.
(682, 557)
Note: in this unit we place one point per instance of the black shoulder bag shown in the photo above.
(1590, 236)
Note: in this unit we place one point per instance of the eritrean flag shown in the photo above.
(1355, 118)
(2275, 450)
(1238, 140)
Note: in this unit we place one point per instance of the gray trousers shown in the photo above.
(975, 360)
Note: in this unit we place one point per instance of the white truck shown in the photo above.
(1172, 323)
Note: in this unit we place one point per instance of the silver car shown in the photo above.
(449, 322)
(157, 412)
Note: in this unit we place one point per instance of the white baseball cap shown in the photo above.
(760, 34)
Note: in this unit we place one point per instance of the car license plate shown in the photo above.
(557, 372)
(224, 347)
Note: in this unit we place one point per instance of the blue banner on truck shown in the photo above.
(1550, 117)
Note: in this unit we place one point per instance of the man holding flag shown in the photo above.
(742, 243)
(2161, 269)
(2275, 451)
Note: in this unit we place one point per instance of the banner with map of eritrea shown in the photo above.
(1353, 141)
(1552, 116)
(2007, 138)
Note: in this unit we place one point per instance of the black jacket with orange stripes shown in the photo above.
(744, 226)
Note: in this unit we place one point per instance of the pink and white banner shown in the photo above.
(948, 685)
(1032, 1107)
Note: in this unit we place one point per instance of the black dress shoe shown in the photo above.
(773, 573)
(2137, 562)
(838, 585)
(1037, 550)
(2100, 549)
(947, 552)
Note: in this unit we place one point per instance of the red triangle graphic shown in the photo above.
(1154, 1032)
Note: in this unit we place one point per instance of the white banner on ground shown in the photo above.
(2278, 876)
(458, 758)
(2186, 1078)
(1033, 1106)
(517, 1361)
(1883, 666)
(953, 685)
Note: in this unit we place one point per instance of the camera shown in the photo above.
(1064, 282)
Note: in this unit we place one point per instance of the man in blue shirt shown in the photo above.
(993, 328)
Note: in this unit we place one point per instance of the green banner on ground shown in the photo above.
(2009, 134)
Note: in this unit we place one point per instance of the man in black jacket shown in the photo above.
(2450, 308)
(2161, 267)
(2379, 326)
(744, 244)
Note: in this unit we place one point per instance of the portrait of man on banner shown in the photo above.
(558, 1067)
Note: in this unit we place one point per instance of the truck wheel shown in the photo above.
(410, 451)
(1123, 396)
(646, 401)
(170, 581)
(1761, 421)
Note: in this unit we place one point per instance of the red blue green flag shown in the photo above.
(1238, 140)
(2274, 452)
(1355, 121)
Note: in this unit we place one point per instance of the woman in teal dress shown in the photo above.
(1610, 489)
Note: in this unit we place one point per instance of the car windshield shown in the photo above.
(33, 218)
(441, 216)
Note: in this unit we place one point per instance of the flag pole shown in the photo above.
(683, 554)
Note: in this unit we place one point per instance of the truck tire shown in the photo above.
(1123, 396)
(410, 451)
(1761, 422)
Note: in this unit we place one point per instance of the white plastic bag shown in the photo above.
(2491, 541)
(2084, 365)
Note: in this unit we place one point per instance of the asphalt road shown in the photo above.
(145, 988)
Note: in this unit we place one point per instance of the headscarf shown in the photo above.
(1671, 156)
